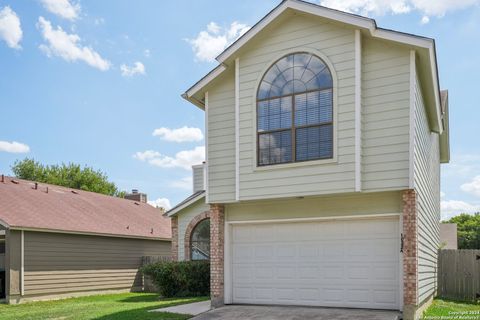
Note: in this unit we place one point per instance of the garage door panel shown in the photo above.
(309, 264)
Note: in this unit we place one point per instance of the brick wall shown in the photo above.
(410, 248)
(174, 224)
(217, 226)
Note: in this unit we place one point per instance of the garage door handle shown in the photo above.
(402, 237)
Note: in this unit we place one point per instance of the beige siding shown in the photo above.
(221, 140)
(385, 116)
(184, 218)
(198, 178)
(326, 206)
(12, 262)
(63, 263)
(297, 33)
(427, 186)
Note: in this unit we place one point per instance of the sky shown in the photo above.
(99, 82)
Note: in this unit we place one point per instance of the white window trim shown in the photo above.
(334, 159)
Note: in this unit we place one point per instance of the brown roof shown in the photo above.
(70, 210)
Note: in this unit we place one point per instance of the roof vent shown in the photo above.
(15, 181)
(3, 178)
(74, 192)
(136, 203)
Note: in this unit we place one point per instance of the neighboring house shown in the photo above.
(63, 242)
(448, 236)
(324, 138)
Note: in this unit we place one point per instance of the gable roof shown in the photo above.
(22, 207)
(426, 45)
(185, 203)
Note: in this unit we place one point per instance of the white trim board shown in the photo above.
(87, 233)
(411, 158)
(329, 218)
(358, 110)
(237, 129)
(206, 148)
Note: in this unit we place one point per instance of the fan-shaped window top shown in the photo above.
(295, 73)
(295, 111)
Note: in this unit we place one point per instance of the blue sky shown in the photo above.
(91, 81)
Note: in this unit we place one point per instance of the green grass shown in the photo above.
(124, 306)
(452, 310)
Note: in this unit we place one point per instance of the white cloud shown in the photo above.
(425, 20)
(14, 147)
(184, 183)
(10, 29)
(160, 203)
(451, 208)
(147, 53)
(211, 42)
(67, 46)
(427, 8)
(183, 159)
(137, 68)
(63, 8)
(462, 165)
(472, 187)
(183, 134)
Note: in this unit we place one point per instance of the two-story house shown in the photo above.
(324, 138)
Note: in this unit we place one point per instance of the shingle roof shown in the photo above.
(69, 210)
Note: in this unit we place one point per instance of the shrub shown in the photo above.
(180, 278)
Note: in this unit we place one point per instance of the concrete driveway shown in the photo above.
(244, 312)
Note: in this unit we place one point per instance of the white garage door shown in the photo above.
(352, 263)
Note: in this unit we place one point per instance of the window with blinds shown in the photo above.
(295, 111)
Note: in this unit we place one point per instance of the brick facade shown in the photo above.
(188, 232)
(217, 232)
(174, 224)
(410, 248)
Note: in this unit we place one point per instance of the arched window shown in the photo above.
(200, 241)
(295, 111)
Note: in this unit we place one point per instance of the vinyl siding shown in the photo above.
(385, 116)
(221, 140)
(12, 262)
(65, 263)
(427, 186)
(325, 206)
(299, 32)
(184, 218)
(198, 178)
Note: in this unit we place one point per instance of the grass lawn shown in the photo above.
(124, 306)
(446, 309)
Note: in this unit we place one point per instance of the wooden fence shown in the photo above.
(459, 274)
(148, 285)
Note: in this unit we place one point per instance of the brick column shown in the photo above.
(410, 249)
(217, 226)
(174, 223)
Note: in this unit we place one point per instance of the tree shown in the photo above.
(468, 230)
(67, 175)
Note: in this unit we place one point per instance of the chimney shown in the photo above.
(136, 196)
(198, 177)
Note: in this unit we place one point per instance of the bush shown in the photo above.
(180, 278)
